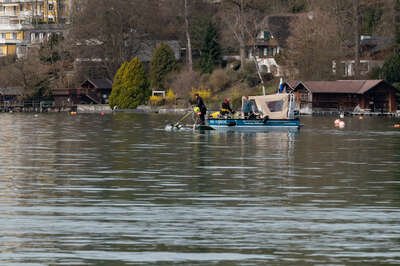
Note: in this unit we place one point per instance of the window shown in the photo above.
(267, 35)
(275, 106)
(3, 35)
(265, 51)
(51, 6)
(364, 66)
(14, 36)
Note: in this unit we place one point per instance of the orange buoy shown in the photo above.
(396, 125)
(102, 113)
(73, 113)
(342, 124)
(337, 121)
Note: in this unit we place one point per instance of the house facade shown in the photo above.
(91, 91)
(23, 22)
(269, 42)
(344, 96)
(373, 51)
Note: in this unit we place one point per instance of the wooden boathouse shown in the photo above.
(354, 96)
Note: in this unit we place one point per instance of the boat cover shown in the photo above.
(275, 106)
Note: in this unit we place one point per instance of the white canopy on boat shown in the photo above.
(275, 106)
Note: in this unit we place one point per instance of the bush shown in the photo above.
(156, 100)
(130, 86)
(249, 75)
(219, 80)
(203, 93)
(170, 97)
(182, 82)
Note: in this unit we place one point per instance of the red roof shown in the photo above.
(338, 86)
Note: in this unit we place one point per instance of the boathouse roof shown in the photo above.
(338, 86)
(98, 83)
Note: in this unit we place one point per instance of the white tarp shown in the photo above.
(275, 106)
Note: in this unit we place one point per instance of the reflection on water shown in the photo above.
(120, 190)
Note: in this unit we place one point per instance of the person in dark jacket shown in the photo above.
(226, 108)
(203, 109)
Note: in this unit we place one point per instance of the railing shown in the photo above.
(19, 1)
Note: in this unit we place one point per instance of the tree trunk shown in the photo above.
(189, 44)
(356, 38)
(242, 44)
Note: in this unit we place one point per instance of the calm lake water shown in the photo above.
(120, 190)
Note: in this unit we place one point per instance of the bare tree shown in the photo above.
(313, 46)
(29, 73)
(111, 32)
(241, 19)
(188, 39)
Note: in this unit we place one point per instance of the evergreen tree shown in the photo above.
(130, 86)
(391, 72)
(162, 63)
(210, 50)
(391, 69)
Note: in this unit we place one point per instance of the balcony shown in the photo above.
(13, 41)
(11, 2)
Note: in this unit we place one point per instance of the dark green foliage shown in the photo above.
(298, 6)
(162, 63)
(48, 51)
(376, 73)
(391, 69)
(130, 86)
(397, 26)
(42, 90)
(371, 18)
(210, 56)
(391, 72)
(249, 75)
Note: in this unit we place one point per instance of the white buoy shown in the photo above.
(342, 124)
(341, 115)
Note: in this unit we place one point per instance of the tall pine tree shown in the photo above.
(210, 56)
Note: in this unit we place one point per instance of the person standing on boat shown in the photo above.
(226, 108)
(247, 108)
(203, 109)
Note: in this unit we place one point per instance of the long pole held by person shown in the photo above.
(183, 118)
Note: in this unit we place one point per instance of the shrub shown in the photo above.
(182, 82)
(156, 100)
(203, 93)
(219, 80)
(249, 75)
(170, 97)
(130, 86)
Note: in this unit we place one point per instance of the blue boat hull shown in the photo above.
(253, 124)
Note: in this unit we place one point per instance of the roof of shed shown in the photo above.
(338, 86)
(100, 83)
